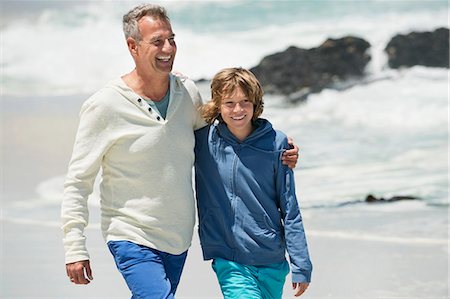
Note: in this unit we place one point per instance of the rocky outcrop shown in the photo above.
(298, 72)
(372, 199)
(419, 48)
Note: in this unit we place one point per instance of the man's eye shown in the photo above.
(157, 42)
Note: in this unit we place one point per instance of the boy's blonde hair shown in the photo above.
(224, 84)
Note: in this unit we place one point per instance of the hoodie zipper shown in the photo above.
(234, 196)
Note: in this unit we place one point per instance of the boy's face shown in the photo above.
(237, 113)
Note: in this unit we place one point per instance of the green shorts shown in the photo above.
(250, 282)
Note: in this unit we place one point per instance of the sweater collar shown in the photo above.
(176, 89)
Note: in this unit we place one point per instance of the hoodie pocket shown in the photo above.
(265, 235)
(265, 224)
(211, 227)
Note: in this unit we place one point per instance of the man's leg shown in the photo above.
(143, 270)
(173, 265)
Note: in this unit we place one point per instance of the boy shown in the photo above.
(248, 211)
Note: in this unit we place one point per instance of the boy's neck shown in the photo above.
(241, 135)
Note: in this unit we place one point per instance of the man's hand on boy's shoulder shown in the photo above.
(290, 156)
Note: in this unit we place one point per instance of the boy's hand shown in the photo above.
(290, 156)
(299, 288)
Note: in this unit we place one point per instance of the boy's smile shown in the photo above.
(237, 113)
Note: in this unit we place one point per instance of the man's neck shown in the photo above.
(153, 88)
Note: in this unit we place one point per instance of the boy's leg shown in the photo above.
(272, 278)
(143, 270)
(236, 281)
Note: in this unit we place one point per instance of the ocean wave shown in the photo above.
(69, 57)
(50, 193)
(42, 223)
(413, 100)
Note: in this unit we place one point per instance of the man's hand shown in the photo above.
(79, 272)
(290, 156)
(299, 288)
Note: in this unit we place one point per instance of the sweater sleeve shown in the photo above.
(199, 121)
(296, 244)
(91, 143)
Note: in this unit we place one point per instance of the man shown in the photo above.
(139, 131)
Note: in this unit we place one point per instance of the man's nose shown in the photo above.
(168, 45)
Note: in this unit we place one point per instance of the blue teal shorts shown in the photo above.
(238, 281)
(149, 273)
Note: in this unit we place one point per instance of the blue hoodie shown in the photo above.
(247, 208)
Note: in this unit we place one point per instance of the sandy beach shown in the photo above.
(358, 251)
(33, 267)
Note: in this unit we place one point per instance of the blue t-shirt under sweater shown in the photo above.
(161, 106)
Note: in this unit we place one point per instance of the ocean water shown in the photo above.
(74, 42)
(387, 137)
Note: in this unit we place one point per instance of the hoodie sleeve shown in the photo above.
(91, 143)
(296, 244)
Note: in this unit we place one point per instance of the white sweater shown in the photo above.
(146, 188)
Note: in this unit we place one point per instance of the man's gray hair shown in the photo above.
(130, 20)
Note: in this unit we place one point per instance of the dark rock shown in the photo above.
(371, 199)
(201, 80)
(298, 72)
(419, 48)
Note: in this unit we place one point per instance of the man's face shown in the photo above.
(157, 49)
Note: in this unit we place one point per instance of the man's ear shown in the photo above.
(132, 46)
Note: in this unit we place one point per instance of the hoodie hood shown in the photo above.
(261, 127)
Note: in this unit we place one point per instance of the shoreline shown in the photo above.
(343, 268)
(36, 142)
